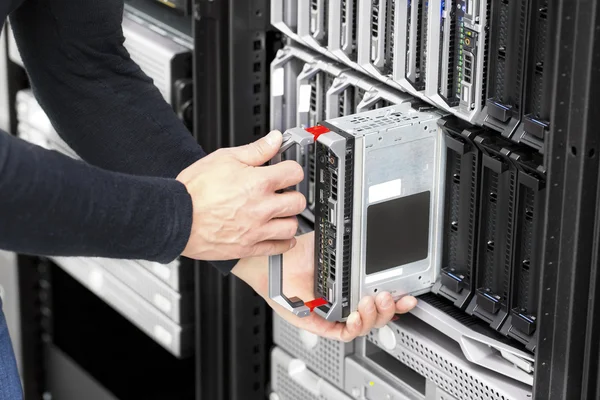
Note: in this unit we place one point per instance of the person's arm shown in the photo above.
(100, 102)
(111, 114)
(53, 205)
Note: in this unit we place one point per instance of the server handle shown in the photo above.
(291, 137)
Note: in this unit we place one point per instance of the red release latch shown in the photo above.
(317, 131)
(316, 302)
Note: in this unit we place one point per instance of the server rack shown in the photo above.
(567, 353)
(234, 45)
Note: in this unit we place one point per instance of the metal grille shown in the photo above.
(289, 389)
(456, 381)
(509, 236)
(491, 218)
(501, 53)
(472, 206)
(454, 167)
(537, 91)
(526, 243)
(325, 357)
(486, 43)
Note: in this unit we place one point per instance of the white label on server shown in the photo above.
(162, 335)
(304, 103)
(384, 191)
(278, 83)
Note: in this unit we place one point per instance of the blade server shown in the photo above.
(489, 64)
(378, 215)
(306, 89)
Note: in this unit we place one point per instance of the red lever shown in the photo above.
(316, 302)
(317, 131)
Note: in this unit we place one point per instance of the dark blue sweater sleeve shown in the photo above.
(102, 104)
(54, 205)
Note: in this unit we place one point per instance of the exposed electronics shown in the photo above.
(462, 41)
(378, 208)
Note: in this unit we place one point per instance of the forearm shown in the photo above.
(98, 99)
(53, 205)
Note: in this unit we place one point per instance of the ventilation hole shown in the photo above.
(257, 130)
(256, 386)
(256, 310)
(256, 330)
(256, 368)
(375, 290)
(256, 67)
(257, 45)
(591, 153)
(257, 109)
(574, 150)
(258, 13)
(257, 88)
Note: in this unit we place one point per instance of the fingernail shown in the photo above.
(271, 138)
(292, 243)
(354, 319)
(386, 302)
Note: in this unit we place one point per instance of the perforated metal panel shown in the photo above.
(292, 380)
(436, 357)
(323, 356)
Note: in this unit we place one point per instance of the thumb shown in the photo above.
(261, 151)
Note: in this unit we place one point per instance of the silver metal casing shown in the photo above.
(397, 154)
(177, 339)
(376, 38)
(440, 360)
(323, 356)
(463, 96)
(291, 379)
(343, 31)
(163, 58)
(313, 21)
(284, 16)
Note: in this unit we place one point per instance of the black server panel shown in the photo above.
(463, 164)
(538, 79)
(508, 50)
(496, 230)
(530, 205)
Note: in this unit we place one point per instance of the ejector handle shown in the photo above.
(291, 137)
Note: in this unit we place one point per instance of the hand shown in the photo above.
(298, 280)
(237, 212)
